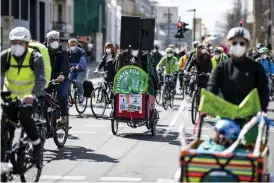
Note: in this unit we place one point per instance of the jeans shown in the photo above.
(79, 77)
(269, 83)
(62, 96)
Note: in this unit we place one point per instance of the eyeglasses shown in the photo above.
(242, 43)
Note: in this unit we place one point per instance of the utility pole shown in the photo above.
(194, 23)
(270, 26)
(168, 23)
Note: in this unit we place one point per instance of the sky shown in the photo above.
(210, 11)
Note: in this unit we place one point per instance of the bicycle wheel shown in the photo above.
(165, 98)
(182, 89)
(60, 131)
(98, 97)
(26, 164)
(80, 108)
(194, 106)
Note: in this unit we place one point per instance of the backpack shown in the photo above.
(45, 54)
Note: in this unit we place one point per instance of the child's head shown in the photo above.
(226, 132)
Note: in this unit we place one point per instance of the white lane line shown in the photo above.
(81, 132)
(91, 125)
(166, 180)
(96, 125)
(124, 179)
(175, 119)
(56, 177)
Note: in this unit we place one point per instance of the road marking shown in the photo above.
(91, 125)
(125, 179)
(166, 180)
(54, 177)
(81, 132)
(207, 128)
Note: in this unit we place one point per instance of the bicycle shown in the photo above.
(101, 94)
(19, 157)
(74, 97)
(52, 113)
(196, 97)
(168, 91)
(161, 83)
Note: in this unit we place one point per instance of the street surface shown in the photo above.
(92, 153)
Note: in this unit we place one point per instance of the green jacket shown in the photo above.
(171, 64)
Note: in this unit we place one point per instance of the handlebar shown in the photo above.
(54, 82)
(7, 101)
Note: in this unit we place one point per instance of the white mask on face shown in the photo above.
(108, 50)
(203, 51)
(169, 55)
(264, 56)
(54, 45)
(17, 50)
(237, 50)
(217, 57)
(154, 51)
(72, 48)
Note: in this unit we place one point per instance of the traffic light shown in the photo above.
(241, 23)
(179, 30)
(185, 27)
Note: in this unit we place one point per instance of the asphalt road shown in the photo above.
(92, 153)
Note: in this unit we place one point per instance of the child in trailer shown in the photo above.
(225, 134)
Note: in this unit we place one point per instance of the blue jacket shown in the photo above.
(268, 66)
(78, 58)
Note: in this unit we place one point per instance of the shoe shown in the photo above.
(38, 155)
(62, 119)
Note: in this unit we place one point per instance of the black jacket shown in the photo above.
(108, 66)
(235, 80)
(156, 57)
(202, 65)
(59, 62)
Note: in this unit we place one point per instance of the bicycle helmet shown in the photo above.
(259, 46)
(217, 50)
(238, 32)
(228, 128)
(20, 34)
(53, 35)
(263, 50)
(195, 44)
(169, 50)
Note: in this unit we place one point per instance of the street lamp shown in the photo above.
(194, 22)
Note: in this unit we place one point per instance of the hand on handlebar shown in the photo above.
(72, 69)
(29, 99)
(96, 71)
(60, 78)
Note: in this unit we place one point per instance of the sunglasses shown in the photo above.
(242, 43)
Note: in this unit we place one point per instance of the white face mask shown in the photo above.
(17, 50)
(237, 50)
(154, 51)
(169, 55)
(135, 53)
(72, 48)
(203, 51)
(54, 45)
(217, 57)
(264, 56)
(108, 50)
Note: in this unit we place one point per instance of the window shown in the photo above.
(15, 8)
(60, 12)
(5, 8)
(24, 9)
(69, 15)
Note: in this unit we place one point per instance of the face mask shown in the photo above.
(264, 56)
(54, 45)
(72, 48)
(237, 50)
(108, 50)
(169, 55)
(217, 56)
(154, 51)
(203, 51)
(135, 53)
(17, 50)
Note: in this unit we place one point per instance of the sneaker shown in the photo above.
(38, 155)
(69, 103)
(62, 119)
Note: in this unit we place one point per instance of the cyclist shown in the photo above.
(266, 63)
(60, 70)
(256, 54)
(218, 57)
(172, 46)
(156, 55)
(201, 59)
(182, 65)
(171, 65)
(235, 78)
(194, 44)
(107, 62)
(22, 70)
(78, 66)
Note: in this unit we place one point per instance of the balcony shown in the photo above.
(59, 26)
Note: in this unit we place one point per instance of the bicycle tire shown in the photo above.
(105, 102)
(165, 106)
(85, 103)
(182, 90)
(193, 107)
(65, 127)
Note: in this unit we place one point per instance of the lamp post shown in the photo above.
(194, 22)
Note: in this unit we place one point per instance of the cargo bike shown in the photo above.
(133, 104)
(228, 166)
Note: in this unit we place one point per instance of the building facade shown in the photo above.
(32, 14)
(145, 7)
(128, 7)
(61, 17)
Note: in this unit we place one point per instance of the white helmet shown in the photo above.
(238, 32)
(20, 34)
(53, 35)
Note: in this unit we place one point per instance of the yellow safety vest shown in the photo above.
(20, 83)
(45, 54)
